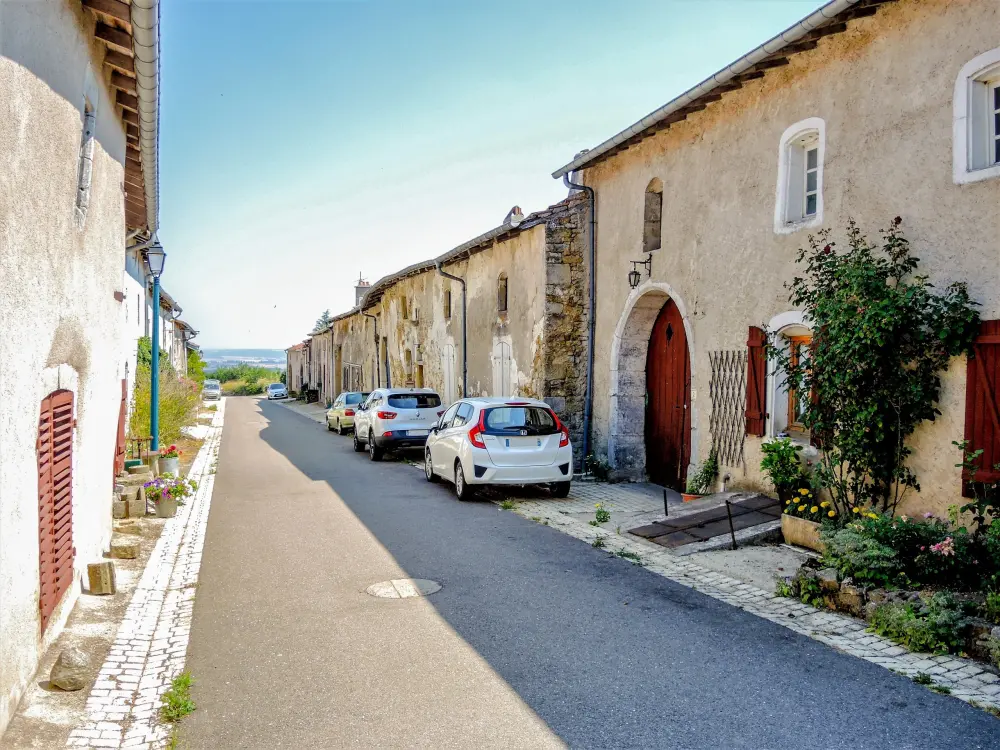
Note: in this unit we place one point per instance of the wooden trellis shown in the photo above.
(728, 391)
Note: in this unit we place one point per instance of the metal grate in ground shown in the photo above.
(705, 525)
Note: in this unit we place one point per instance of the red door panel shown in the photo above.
(668, 400)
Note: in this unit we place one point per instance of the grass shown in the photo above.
(536, 518)
(626, 555)
(598, 542)
(507, 505)
(943, 689)
(922, 678)
(177, 701)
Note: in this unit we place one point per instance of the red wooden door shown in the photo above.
(120, 440)
(668, 400)
(55, 501)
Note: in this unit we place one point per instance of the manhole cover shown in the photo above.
(403, 588)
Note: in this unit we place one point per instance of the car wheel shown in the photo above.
(358, 447)
(462, 489)
(329, 426)
(560, 489)
(429, 467)
(374, 452)
(340, 428)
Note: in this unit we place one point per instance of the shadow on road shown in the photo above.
(607, 653)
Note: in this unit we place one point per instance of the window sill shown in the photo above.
(791, 227)
(968, 176)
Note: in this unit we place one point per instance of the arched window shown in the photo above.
(799, 200)
(502, 293)
(652, 215)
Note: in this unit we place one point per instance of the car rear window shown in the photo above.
(211, 386)
(354, 398)
(414, 400)
(535, 419)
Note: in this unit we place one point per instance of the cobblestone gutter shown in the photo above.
(151, 645)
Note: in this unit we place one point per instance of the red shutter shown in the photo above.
(120, 441)
(55, 501)
(982, 418)
(756, 413)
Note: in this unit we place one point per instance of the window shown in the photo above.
(414, 400)
(799, 202)
(797, 402)
(462, 417)
(531, 419)
(86, 168)
(977, 119)
(502, 293)
(447, 305)
(652, 216)
(449, 416)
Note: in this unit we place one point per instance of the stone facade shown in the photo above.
(884, 92)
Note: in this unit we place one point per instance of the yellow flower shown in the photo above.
(788, 510)
(855, 510)
(831, 514)
(872, 515)
(824, 504)
(813, 509)
(801, 508)
(803, 491)
(788, 502)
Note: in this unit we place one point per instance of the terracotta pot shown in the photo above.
(688, 497)
(166, 508)
(801, 531)
(170, 465)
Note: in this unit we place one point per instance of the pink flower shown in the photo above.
(946, 548)
(922, 549)
(928, 515)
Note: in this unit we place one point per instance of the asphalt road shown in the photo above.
(535, 639)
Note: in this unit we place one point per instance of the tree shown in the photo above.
(881, 337)
(195, 366)
(322, 322)
(144, 355)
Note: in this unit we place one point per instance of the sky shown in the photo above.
(303, 143)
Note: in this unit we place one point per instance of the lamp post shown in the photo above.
(155, 260)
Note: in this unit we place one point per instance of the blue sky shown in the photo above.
(303, 143)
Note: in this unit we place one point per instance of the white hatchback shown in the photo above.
(393, 418)
(483, 441)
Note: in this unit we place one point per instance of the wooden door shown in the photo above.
(55, 501)
(668, 400)
(120, 440)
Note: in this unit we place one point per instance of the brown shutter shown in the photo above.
(982, 418)
(120, 441)
(756, 413)
(55, 501)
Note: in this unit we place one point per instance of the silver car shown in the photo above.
(276, 390)
(395, 418)
(211, 390)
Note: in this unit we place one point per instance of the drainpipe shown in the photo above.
(465, 360)
(588, 398)
(378, 375)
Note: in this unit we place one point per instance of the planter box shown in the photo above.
(802, 532)
(170, 466)
(166, 508)
(689, 497)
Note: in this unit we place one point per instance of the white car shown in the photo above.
(395, 418)
(276, 390)
(483, 441)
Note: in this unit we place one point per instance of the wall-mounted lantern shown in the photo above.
(634, 276)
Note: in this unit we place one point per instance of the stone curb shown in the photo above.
(151, 645)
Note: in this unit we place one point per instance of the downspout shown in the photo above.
(465, 348)
(146, 46)
(378, 374)
(588, 397)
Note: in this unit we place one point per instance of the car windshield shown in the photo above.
(276, 387)
(414, 400)
(211, 386)
(536, 420)
(354, 398)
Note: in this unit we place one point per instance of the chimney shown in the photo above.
(360, 290)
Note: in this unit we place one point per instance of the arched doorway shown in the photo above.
(635, 455)
(668, 400)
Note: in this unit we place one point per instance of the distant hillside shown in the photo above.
(216, 358)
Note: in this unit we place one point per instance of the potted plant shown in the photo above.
(170, 461)
(167, 492)
(802, 519)
(700, 484)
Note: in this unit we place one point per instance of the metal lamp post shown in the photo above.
(155, 260)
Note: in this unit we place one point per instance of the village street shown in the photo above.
(534, 639)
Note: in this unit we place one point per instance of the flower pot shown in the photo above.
(801, 531)
(689, 496)
(170, 465)
(166, 507)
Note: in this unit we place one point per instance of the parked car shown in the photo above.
(340, 416)
(395, 418)
(211, 390)
(276, 390)
(484, 441)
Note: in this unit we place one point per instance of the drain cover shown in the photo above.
(403, 588)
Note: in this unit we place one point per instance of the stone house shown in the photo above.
(295, 367)
(526, 329)
(79, 185)
(865, 109)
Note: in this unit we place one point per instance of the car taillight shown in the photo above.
(348, 412)
(476, 433)
(387, 434)
(563, 431)
(386, 414)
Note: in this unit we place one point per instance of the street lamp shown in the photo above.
(156, 258)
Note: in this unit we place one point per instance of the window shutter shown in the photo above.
(55, 501)
(982, 418)
(756, 414)
(120, 440)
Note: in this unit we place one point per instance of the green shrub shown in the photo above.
(936, 624)
(598, 466)
(247, 373)
(195, 366)
(861, 557)
(179, 403)
(701, 482)
(992, 607)
(782, 466)
(177, 701)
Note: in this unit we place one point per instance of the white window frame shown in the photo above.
(790, 193)
(973, 123)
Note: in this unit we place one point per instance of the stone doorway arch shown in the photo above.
(629, 349)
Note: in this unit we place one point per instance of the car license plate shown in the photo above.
(417, 433)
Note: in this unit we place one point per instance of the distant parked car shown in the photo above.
(276, 390)
(340, 416)
(483, 441)
(211, 390)
(395, 418)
